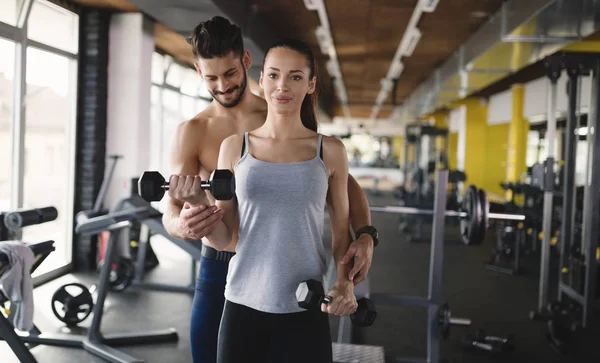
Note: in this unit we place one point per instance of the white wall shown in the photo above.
(536, 96)
(500, 108)
(458, 123)
(129, 82)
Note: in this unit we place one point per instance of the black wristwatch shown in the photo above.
(370, 230)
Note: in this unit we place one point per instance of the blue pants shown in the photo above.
(207, 309)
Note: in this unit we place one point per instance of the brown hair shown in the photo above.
(216, 38)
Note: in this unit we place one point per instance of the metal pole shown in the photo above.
(548, 191)
(448, 213)
(566, 233)
(436, 266)
(591, 205)
(104, 187)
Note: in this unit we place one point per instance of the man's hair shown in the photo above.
(216, 38)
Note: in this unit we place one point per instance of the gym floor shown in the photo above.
(497, 303)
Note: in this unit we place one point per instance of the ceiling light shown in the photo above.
(428, 6)
(395, 70)
(312, 4)
(413, 38)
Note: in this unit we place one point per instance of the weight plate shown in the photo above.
(469, 225)
(444, 320)
(72, 303)
(485, 207)
(121, 274)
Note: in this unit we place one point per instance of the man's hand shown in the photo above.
(198, 221)
(362, 249)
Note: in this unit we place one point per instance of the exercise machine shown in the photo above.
(439, 317)
(95, 341)
(578, 261)
(40, 251)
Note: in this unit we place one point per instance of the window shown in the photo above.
(188, 107)
(175, 75)
(54, 26)
(7, 75)
(172, 102)
(49, 107)
(9, 11)
(190, 83)
(44, 174)
(158, 68)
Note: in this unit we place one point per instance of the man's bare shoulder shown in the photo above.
(259, 105)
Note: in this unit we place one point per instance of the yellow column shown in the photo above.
(517, 137)
(398, 146)
(452, 150)
(475, 145)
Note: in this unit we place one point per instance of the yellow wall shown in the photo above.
(475, 148)
(452, 150)
(496, 153)
(398, 146)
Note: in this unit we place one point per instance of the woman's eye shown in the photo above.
(272, 75)
(296, 78)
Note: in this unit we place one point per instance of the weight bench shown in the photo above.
(40, 250)
(154, 224)
(95, 342)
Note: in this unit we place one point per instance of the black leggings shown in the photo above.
(248, 335)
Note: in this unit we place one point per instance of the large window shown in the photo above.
(7, 76)
(9, 11)
(48, 136)
(38, 162)
(178, 94)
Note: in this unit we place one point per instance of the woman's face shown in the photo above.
(285, 80)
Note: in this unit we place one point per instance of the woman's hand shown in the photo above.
(343, 302)
(187, 188)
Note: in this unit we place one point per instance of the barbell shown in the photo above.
(474, 214)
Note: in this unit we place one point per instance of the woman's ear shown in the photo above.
(260, 80)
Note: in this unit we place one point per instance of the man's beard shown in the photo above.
(241, 87)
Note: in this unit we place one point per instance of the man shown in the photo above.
(222, 63)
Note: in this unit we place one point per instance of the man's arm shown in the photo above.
(360, 215)
(192, 224)
(362, 248)
(342, 292)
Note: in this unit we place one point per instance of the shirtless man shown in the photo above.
(222, 63)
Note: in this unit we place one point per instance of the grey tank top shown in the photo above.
(281, 208)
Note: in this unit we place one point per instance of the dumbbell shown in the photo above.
(152, 185)
(310, 295)
(480, 340)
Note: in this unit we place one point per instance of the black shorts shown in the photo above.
(249, 335)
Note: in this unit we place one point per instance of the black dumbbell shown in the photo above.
(310, 295)
(152, 185)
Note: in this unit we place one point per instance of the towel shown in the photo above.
(16, 283)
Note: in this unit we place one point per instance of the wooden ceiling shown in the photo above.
(366, 34)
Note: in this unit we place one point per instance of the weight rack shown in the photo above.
(432, 302)
(575, 65)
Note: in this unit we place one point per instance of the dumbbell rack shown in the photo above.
(432, 302)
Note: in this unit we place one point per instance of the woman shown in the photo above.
(285, 171)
